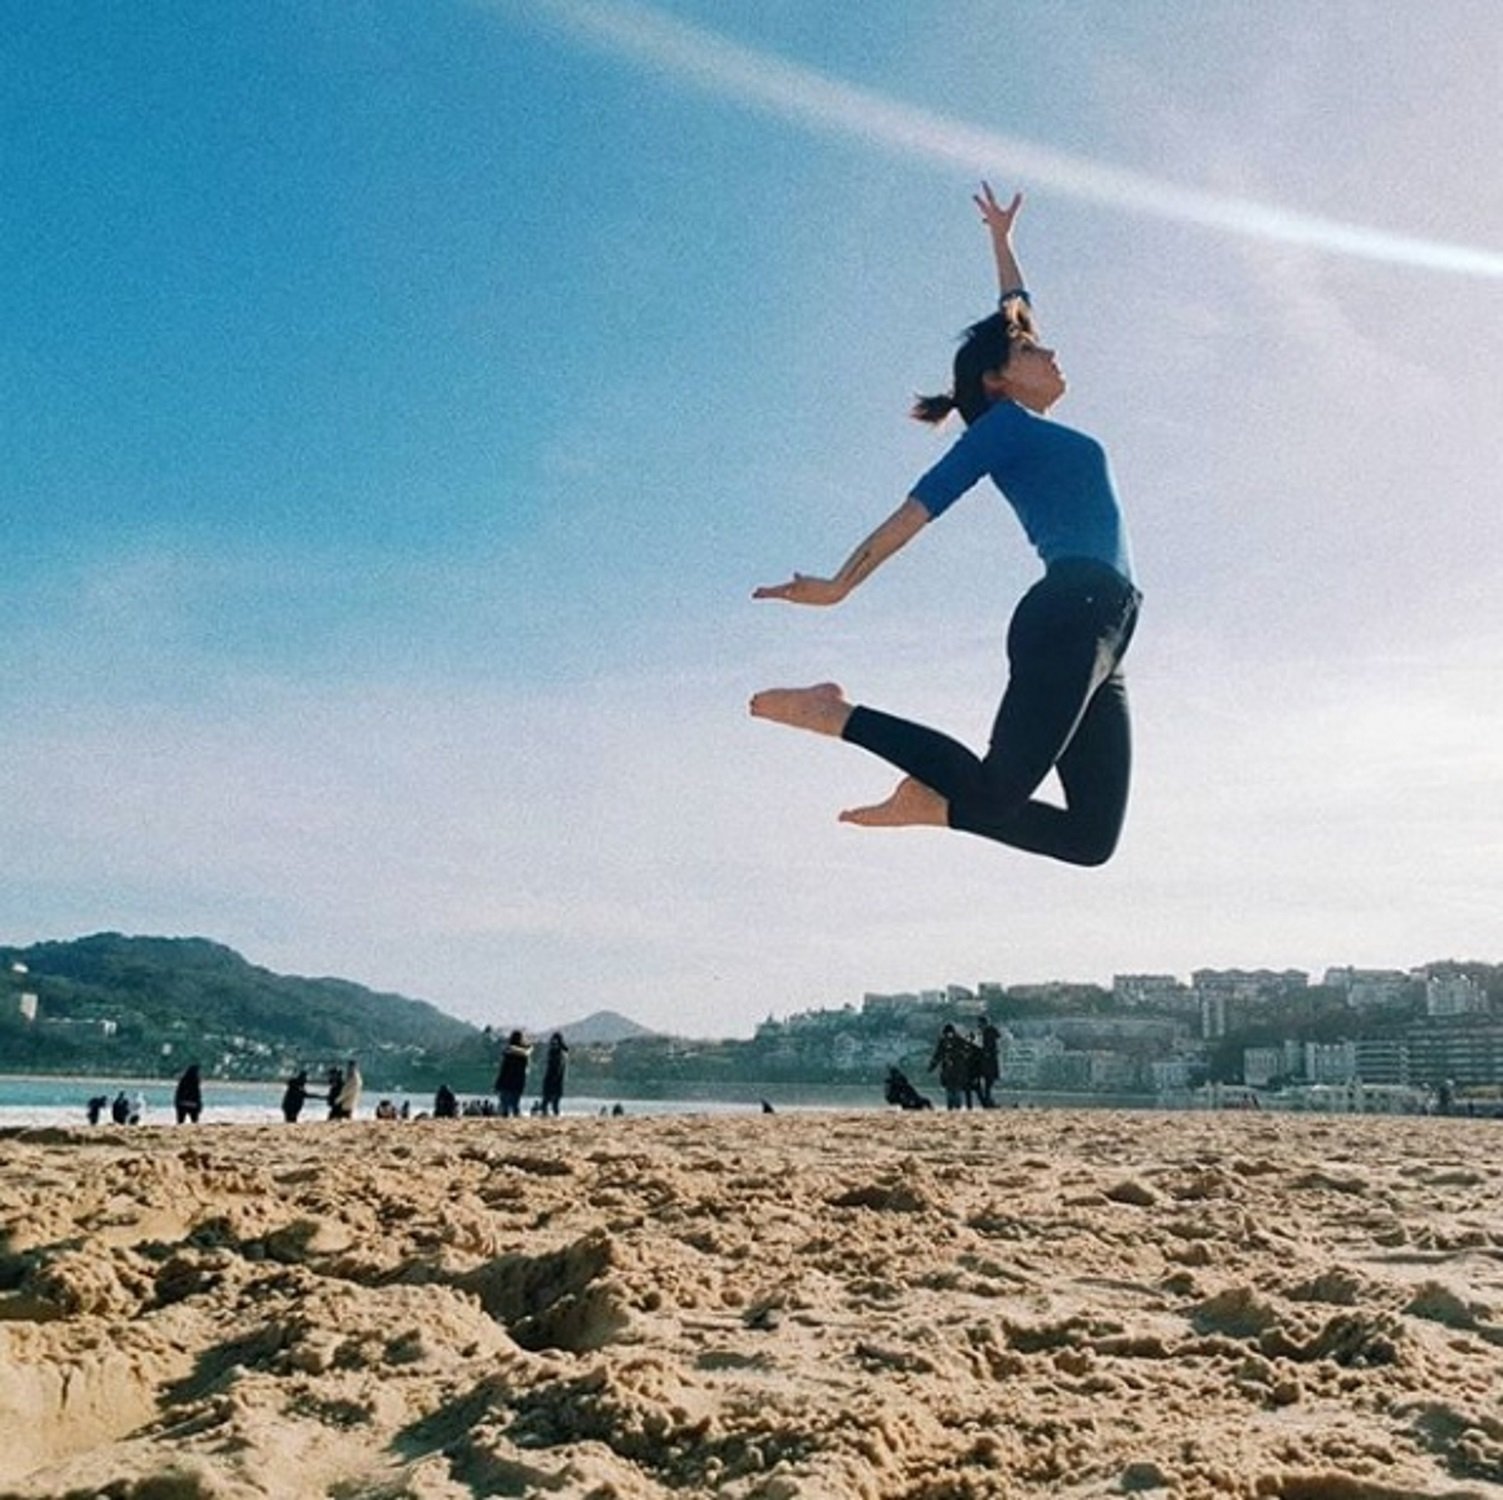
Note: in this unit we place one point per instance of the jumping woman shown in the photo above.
(1065, 706)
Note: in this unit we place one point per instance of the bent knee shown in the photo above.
(1092, 853)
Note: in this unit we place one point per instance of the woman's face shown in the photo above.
(1031, 377)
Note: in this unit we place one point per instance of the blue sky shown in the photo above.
(402, 400)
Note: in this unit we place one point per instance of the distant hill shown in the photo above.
(112, 1001)
(602, 1028)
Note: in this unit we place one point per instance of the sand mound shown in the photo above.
(887, 1307)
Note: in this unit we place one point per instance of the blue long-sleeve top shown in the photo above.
(1058, 481)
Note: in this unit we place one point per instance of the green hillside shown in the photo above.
(152, 1004)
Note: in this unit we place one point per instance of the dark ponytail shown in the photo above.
(985, 346)
(932, 409)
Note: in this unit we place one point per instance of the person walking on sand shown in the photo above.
(1065, 704)
(952, 1056)
(511, 1076)
(554, 1066)
(991, 1061)
(188, 1097)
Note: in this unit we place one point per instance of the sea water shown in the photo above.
(34, 1101)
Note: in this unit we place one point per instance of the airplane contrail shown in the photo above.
(794, 92)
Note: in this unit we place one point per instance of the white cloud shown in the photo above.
(806, 96)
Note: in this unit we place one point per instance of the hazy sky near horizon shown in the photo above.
(402, 399)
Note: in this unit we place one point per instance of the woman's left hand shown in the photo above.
(998, 219)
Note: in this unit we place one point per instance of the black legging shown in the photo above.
(1065, 709)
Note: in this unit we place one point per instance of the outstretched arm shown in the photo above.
(896, 531)
(999, 222)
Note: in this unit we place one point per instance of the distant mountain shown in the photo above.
(117, 1002)
(602, 1028)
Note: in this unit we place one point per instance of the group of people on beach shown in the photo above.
(122, 1109)
(968, 1065)
(343, 1086)
(511, 1076)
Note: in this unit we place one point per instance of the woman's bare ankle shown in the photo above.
(912, 805)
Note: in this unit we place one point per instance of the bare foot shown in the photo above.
(821, 708)
(912, 805)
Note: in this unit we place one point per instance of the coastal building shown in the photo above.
(1212, 1015)
(1249, 986)
(1370, 989)
(1261, 1065)
(1303, 1062)
(1150, 992)
(1022, 1062)
(1330, 1062)
(1454, 995)
(1468, 1056)
(1382, 1059)
(1113, 1071)
(1169, 1074)
(850, 1053)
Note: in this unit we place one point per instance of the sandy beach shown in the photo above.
(901, 1307)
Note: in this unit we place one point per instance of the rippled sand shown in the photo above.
(887, 1306)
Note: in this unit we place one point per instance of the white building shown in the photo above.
(1212, 1016)
(1330, 1062)
(1367, 988)
(1168, 1074)
(1022, 1062)
(1261, 1065)
(1161, 991)
(1454, 995)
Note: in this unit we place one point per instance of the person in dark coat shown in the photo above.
(991, 1061)
(334, 1081)
(445, 1103)
(553, 1073)
(900, 1091)
(120, 1109)
(188, 1098)
(511, 1077)
(295, 1096)
(952, 1056)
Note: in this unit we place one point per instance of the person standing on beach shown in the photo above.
(295, 1096)
(346, 1100)
(188, 1098)
(991, 1061)
(511, 1076)
(952, 1056)
(553, 1073)
(1065, 705)
(333, 1083)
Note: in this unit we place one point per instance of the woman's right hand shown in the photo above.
(803, 589)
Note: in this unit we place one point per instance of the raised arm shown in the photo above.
(999, 222)
(895, 532)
